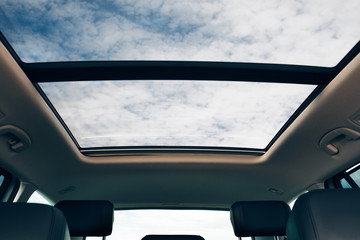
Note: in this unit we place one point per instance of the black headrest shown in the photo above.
(32, 221)
(88, 218)
(259, 218)
(172, 237)
(326, 214)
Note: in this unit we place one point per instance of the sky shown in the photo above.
(175, 113)
(301, 32)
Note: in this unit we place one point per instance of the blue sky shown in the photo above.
(277, 31)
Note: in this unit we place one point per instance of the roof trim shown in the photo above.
(175, 70)
(179, 70)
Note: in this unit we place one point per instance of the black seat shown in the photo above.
(326, 215)
(88, 218)
(172, 237)
(32, 221)
(259, 218)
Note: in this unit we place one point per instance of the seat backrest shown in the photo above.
(88, 218)
(326, 214)
(172, 237)
(259, 218)
(32, 221)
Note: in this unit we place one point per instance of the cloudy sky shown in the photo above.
(175, 113)
(302, 32)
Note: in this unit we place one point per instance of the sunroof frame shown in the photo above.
(180, 70)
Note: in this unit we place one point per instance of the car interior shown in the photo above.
(242, 117)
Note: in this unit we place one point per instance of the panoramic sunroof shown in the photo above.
(175, 112)
(317, 33)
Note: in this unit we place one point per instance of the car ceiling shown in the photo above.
(180, 179)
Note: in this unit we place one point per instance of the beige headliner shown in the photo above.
(54, 165)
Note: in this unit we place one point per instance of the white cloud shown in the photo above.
(296, 32)
(175, 113)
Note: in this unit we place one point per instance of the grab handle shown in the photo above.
(327, 143)
(16, 138)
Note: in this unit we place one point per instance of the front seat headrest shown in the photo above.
(88, 218)
(32, 221)
(259, 218)
(325, 214)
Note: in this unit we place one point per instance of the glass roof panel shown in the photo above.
(175, 113)
(304, 32)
